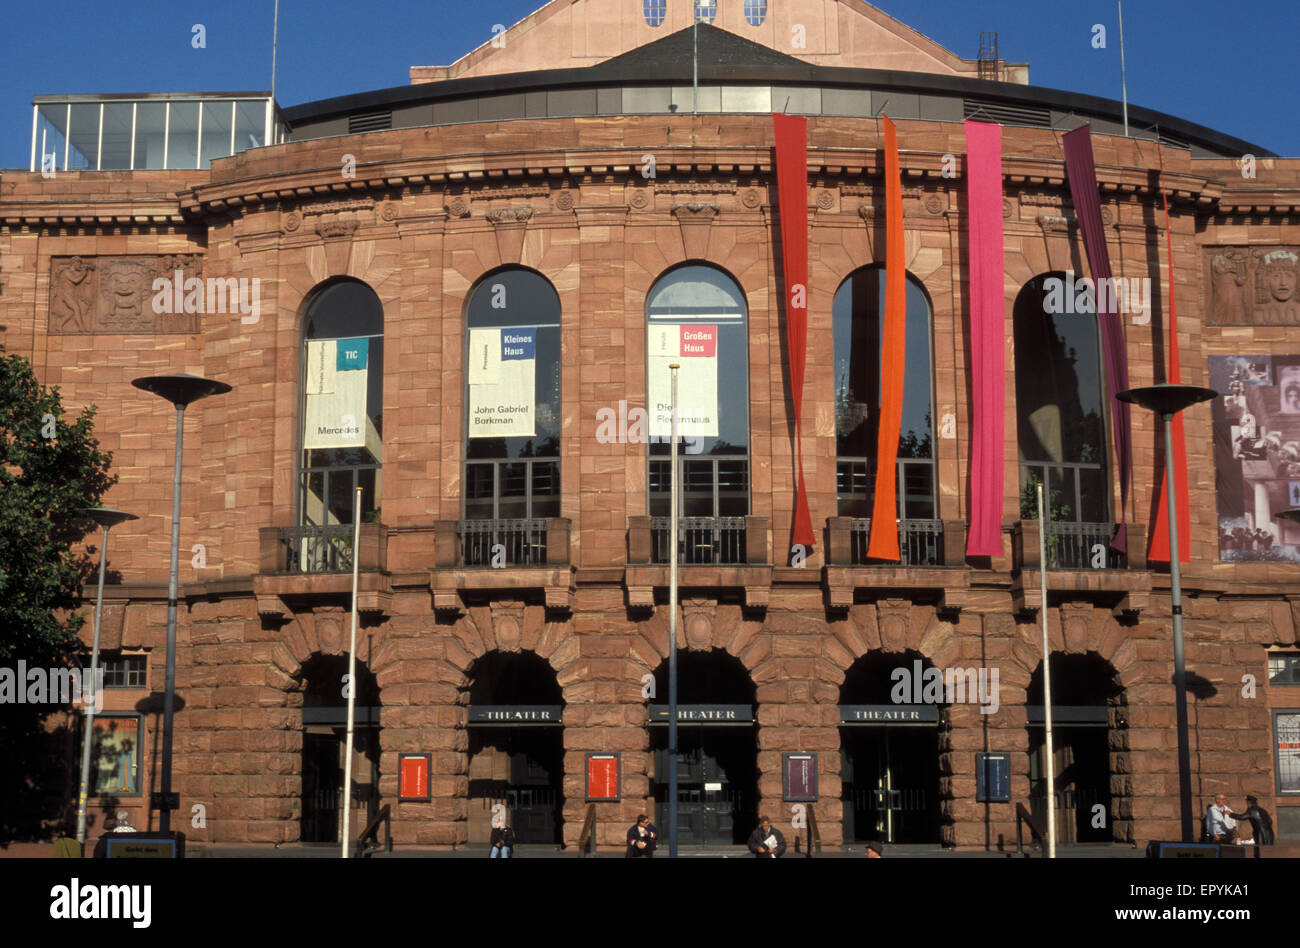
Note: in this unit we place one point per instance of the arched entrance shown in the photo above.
(717, 749)
(324, 743)
(1083, 688)
(889, 740)
(516, 747)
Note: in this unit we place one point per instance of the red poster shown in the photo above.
(602, 777)
(413, 777)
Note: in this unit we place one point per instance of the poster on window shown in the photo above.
(695, 349)
(1286, 730)
(337, 376)
(1256, 455)
(502, 382)
(117, 756)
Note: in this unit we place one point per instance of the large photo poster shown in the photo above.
(1257, 455)
(502, 382)
(695, 350)
(117, 755)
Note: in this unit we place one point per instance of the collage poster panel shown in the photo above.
(117, 755)
(502, 382)
(336, 383)
(695, 349)
(1256, 455)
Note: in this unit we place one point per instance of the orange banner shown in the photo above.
(893, 358)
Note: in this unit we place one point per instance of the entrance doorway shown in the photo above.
(717, 749)
(889, 763)
(516, 748)
(1083, 687)
(324, 744)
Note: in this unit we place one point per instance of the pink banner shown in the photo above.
(987, 337)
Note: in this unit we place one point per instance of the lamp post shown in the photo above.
(1167, 400)
(181, 390)
(106, 517)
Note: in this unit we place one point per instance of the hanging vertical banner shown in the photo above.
(1158, 549)
(502, 382)
(695, 350)
(336, 385)
(792, 200)
(1082, 175)
(987, 337)
(883, 544)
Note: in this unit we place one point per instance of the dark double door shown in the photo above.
(1082, 782)
(322, 781)
(717, 788)
(521, 768)
(890, 777)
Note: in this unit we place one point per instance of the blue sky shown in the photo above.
(1235, 73)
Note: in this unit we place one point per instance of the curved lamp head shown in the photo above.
(181, 389)
(106, 516)
(1292, 514)
(1166, 399)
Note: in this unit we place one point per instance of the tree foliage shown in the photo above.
(49, 467)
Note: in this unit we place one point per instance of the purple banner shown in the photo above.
(1082, 175)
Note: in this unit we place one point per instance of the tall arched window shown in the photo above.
(512, 403)
(696, 317)
(857, 316)
(1060, 416)
(342, 419)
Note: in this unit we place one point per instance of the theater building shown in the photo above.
(463, 296)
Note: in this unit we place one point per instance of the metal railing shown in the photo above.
(317, 549)
(700, 540)
(1074, 545)
(505, 542)
(920, 542)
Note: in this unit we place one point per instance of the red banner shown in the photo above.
(1159, 547)
(792, 197)
(893, 357)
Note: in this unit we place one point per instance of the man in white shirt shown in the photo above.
(1221, 822)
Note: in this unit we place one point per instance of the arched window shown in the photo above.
(342, 419)
(755, 12)
(705, 10)
(696, 317)
(512, 399)
(1059, 404)
(654, 11)
(858, 319)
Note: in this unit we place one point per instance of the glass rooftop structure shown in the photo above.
(150, 131)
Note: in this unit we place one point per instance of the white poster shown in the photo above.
(336, 382)
(502, 382)
(695, 349)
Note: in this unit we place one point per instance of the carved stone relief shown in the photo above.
(1254, 286)
(115, 294)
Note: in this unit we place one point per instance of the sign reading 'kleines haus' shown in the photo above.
(502, 382)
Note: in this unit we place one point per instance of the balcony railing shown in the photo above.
(700, 540)
(317, 549)
(502, 542)
(1075, 546)
(920, 542)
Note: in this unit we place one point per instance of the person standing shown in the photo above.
(642, 838)
(766, 842)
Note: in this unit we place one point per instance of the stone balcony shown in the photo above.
(317, 561)
(473, 559)
(1123, 583)
(932, 564)
(713, 553)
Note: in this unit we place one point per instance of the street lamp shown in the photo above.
(181, 390)
(1167, 400)
(106, 517)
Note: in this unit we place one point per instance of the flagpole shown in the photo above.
(695, 66)
(1050, 763)
(275, 36)
(1123, 83)
(672, 627)
(352, 679)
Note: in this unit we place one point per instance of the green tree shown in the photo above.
(48, 468)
